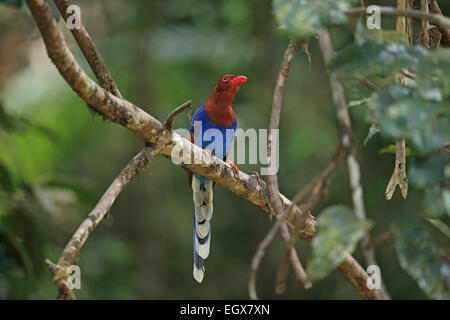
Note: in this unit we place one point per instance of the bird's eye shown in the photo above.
(225, 79)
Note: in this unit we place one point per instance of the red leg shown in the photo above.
(232, 165)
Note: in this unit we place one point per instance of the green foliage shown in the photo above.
(424, 261)
(374, 58)
(391, 149)
(401, 114)
(301, 19)
(433, 77)
(338, 234)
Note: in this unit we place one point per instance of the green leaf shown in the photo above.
(302, 18)
(419, 257)
(375, 58)
(402, 115)
(391, 149)
(373, 130)
(338, 234)
(433, 76)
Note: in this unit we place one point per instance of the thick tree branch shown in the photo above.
(438, 20)
(347, 139)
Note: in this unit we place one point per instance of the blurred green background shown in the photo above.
(57, 160)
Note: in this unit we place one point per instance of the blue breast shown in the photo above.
(206, 132)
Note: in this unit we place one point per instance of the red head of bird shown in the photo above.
(218, 106)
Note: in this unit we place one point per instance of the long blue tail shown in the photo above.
(202, 189)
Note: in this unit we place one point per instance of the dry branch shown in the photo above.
(272, 180)
(71, 252)
(174, 113)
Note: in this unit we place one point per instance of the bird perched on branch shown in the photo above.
(212, 128)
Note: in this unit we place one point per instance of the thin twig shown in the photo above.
(257, 258)
(347, 139)
(392, 12)
(169, 122)
(272, 180)
(90, 52)
(369, 84)
(283, 271)
(299, 271)
(317, 185)
(358, 278)
(380, 239)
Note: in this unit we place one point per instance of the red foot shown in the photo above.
(232, 165)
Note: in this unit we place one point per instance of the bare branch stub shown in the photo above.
(169, 122)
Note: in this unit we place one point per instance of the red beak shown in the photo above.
(238, 80)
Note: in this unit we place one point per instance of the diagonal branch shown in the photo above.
(90, 52)
(71, 252)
